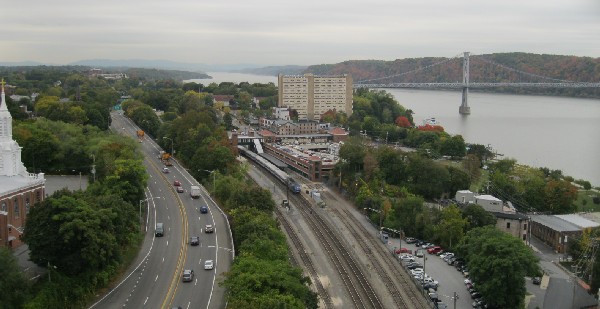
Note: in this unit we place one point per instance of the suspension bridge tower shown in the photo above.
(464, 108)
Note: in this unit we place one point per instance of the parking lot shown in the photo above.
(450, 280)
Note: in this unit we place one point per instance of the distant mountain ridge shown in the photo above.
(276, 70)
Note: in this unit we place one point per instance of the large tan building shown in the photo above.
(312, 96)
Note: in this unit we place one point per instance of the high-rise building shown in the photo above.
(19, 190)
(312, 96)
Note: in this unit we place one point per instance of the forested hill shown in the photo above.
(571, 68)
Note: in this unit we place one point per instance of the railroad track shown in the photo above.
(306, 260)
(405, 296)
(359, 289)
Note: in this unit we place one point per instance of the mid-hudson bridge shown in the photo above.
(464, 108)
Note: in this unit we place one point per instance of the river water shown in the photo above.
(540, 131)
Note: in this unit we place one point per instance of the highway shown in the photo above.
(154, 278)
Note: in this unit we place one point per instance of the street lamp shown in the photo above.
(164, 137)
(214, 178)
(141, 201)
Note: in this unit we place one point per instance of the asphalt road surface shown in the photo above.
(154, 279)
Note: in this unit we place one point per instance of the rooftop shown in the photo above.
(578, 220)
(555, 223)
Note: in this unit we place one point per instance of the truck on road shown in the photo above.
(195, 191)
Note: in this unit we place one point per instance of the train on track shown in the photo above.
(282, 176)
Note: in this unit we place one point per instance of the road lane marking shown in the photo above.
(196, 281)
(156, 278)
(146, 300)
(167, 243)
(188, 306)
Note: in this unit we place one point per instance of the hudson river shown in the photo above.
(555, 132)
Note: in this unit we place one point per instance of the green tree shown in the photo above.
(453, 146)
(560, 196)
(477, 216)
(498, 263)
(12, 282)
(406, 212)
(452, 227)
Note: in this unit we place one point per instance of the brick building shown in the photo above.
(19, 190)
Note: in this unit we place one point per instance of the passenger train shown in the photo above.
(279, 174)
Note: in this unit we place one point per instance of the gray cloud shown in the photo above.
(270, 32)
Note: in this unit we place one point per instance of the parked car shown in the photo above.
(475, 295)
(410, 240)
(414, 265)
(434, 249)
(419, 253)
(536, 280)
(194, 240)
(188, 275)
(402, 250)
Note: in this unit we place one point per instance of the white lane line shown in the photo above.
(188, 306)
(155, 279)
(196, 281)
(163, 259)
(200, 261)
(211, 246)
(146, 300)
(167, 243)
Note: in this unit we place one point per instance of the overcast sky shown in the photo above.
(303, 32)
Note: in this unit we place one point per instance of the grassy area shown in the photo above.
(584, 201)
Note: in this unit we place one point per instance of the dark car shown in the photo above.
(536, 280)
(475, 295)
(177, 183)
(203, 209)
(194, 240)
(414, 265)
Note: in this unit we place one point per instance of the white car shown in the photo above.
(208, 264)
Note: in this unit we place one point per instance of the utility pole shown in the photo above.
(386, 137)
(455, 298)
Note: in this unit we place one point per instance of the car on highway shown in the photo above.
(180, 190)
(208, 264)
(177, 183)
(188, 275)
(165, 170)
(194, 240)
(208, 228)
(203, 209)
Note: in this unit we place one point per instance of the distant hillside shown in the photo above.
(569, 68)
(276, 70)
(162, 64)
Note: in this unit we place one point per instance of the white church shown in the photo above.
(19, 190)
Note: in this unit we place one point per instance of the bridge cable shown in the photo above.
(411, 71)
(521, 72)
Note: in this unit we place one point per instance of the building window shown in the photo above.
(27, 205)
(16, 208)
(524, 237)
(507, 225)
(525, 226)
(3, 208)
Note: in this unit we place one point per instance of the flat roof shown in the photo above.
(10, 184)
(512, 216)
(273, 160)
(578, 221)
(555, 223)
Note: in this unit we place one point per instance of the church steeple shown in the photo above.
(10, 152)
(5, 119)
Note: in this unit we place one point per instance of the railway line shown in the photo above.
(402, 290)
(399, 285)
(306, 260)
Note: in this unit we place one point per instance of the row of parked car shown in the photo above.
(415, 268)
(452, 260)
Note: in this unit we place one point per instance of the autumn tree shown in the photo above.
(403, 121)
